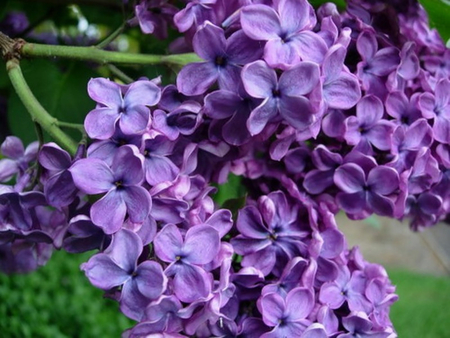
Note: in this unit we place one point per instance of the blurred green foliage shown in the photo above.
(439, 15)
(57, 301)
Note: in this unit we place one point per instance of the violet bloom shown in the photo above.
(59, 188)
(341, 89)
(348, 287)
(117, 266)
(186, 256)
(437, 107)
(121, 183)
(125, 105)
(83, 235)
(223, 57)
(286, 316)
(195, 13)
(283, 97)
(358, 325)
(405, 111)
(376, 63)
(157, 164)
(368, 128)
(270, 234)
(361, 195)
(17, 157)
(424, 210)
(287, 32)
(154, 15)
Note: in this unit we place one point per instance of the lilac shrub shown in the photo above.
(316, 111)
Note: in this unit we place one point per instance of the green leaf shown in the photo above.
(439, 14)
(341, 4)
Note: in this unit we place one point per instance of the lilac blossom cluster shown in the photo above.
(317, 111)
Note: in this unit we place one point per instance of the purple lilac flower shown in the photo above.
(361, 194)
(154, 16)
(224, 58)
(17, 157)
(125, 105)
(121, 183)
(286, 316)
(117, 266)
(186, 257)
(287, 32)
(59, 188)
(283, 97)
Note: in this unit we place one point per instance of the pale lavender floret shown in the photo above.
(121, 183)
(437, 107)
(404, 110)
(438, 65)
(194, 14)
(157, 164)
(424, 173)
(378, 294)
(376, 63)
(341, 89)
(186, 257)
(317, 180)
(106, 149)
(283, 97)
(154, 16)
(233, 110)
(361, 194)
(315, 330)
(270, 234)
(423, 210)
(286, 316)
(59, 187)
(17, 157)
(407, 141)
(183, 120)
(359, 325)
(160, 316)
(368, 127)
(224, 58)
(287, 32)
(125, 105)
(118, 266)
(83, 235)
(348, 287)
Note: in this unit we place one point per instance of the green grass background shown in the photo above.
(57, 301)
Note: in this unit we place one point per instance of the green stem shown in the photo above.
(70, 125)
(37, 112)
(100, 56)
(120, 74)
(110, 38)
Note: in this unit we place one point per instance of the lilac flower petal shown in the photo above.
(127, 165)
(92, 176)
(250, 223)
(343, 92)
(331, 295)
(441, 129)
(380, 135)
(279, 54)
(103, 273)
(234, 131)
(317, 181)
(381, 205)
(142, 93)
(294, 14)
(353, 203)
(191, 283)
(385, 61)
(260, 22)
(105, 92)
(202, 244)
(383, 180)
(132, 302)
(52, 157)
(100, 123)
(150, 279)
(221, 104)
(12, 147)
(168, 243)
(442, 93)
(209, 41)
(8, 168)
(138, 202)
(160, 169)
(310, 46)
(109, 212)
(299, 303)
(135, 120)
(261, 115)
(241, 49)
(125, 249)
(350, 178)
(196, 78)
(299, 80)
(367, 44)
(60, 190)
(333, 62)
(297, 111)
(259, 80)
(315, 330)
(272, 308)
(369, 110)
